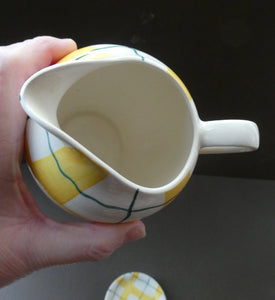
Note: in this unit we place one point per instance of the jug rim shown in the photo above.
(58, 132)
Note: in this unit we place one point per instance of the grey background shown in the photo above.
(223, 51)
(216, 240)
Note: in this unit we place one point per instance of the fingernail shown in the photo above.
(136, 233)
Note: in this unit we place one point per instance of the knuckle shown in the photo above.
(99, 252)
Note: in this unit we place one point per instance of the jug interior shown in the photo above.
(134, 117)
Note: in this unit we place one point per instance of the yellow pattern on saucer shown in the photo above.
(135, 285)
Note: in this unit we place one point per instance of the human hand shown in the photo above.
(28, 239)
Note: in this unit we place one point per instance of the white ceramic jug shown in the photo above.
(114, 134)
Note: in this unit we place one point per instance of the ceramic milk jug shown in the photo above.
(114, 134)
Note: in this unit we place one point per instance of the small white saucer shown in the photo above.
(135, 286)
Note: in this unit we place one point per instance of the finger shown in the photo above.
(47, 50)
(17, 63)
(74, 242)
(37, 53)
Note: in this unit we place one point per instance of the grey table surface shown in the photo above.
(215, 241)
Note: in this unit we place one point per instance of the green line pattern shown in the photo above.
(128, 211)
(74, 183)
(109, 47)
(114, 292)
(130, 207)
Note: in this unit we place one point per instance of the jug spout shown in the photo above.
(41, 93)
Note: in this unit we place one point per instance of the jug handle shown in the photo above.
(228, 136)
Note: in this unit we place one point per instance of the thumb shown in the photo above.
(20, 60)
(41, 51)
(34, 54)
(67, 243)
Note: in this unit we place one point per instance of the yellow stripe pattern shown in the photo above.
(171, 194)
(76, 53)
(77, 174)
(178, 80)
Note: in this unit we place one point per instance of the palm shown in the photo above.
(28, 239)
